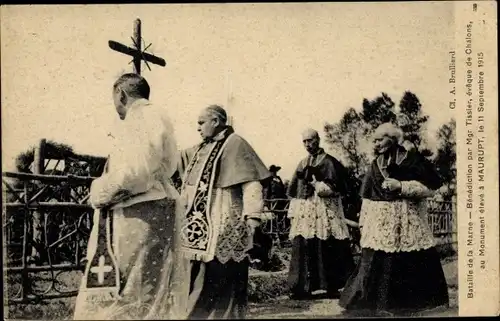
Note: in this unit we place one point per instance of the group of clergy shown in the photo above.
(173, 230)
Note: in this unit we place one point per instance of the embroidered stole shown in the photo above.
(101, 277)
(197, 239)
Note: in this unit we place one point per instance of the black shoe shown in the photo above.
(384, 314)
(355, 313)
(333, 294)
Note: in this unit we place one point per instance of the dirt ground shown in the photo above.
(284, 308)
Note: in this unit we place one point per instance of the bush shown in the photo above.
(265, 286)
(269, 281)
(446, 252)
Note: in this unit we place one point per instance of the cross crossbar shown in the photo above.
(136, 51)
(133, 52)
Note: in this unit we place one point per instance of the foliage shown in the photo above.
(24, 160)
(349, 134)
(272, 283)
(411, 109)
(52, 150)
(378, 111)
(267, 285)
(286, 183)
(75, 164)
(446, 157)
(412, 121)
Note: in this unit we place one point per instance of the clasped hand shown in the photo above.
(253, 224)
(321, 188)
(391, 185)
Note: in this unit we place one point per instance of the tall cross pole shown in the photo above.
(137, 53)
(229, 98)
(138, 45)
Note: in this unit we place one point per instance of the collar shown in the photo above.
(137, 103)
(315, 159)
(222, 135)
(319, 152)
(316, 155)
(400, 155)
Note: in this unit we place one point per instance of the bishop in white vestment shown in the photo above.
(139, 202)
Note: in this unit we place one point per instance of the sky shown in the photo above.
(278, 68)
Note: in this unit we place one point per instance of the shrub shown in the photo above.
(266, 286)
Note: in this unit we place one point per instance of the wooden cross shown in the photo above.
(229, 100)
(136, 52)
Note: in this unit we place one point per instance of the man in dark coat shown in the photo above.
(399, 271)
(276, 188)
(321, 256)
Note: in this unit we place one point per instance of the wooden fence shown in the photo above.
(46, 226)
(47, 223)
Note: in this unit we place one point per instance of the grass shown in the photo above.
(53, 309)
(262, 287)
(56, 309)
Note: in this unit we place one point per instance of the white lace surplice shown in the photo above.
(137, 183)
(142, 160)
(398, 225)
(318, 217)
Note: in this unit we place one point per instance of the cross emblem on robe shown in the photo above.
(136, 51)
(101, 269)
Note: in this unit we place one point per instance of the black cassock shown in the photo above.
(397, 281)
(318, 264)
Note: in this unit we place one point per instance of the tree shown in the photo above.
(378, 111)
(446, 157)
(350, 134)
(286, 183)
(347, 136)
(412, 121)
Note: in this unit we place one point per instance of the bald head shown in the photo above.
(310, 138)
(310, 134)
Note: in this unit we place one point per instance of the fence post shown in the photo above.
(38, 168)
(454, 216)
(25, 281)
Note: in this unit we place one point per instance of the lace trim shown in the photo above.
(235, 241)
(317, 217)
(234, 238)
(396, 226)
(415, 189)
